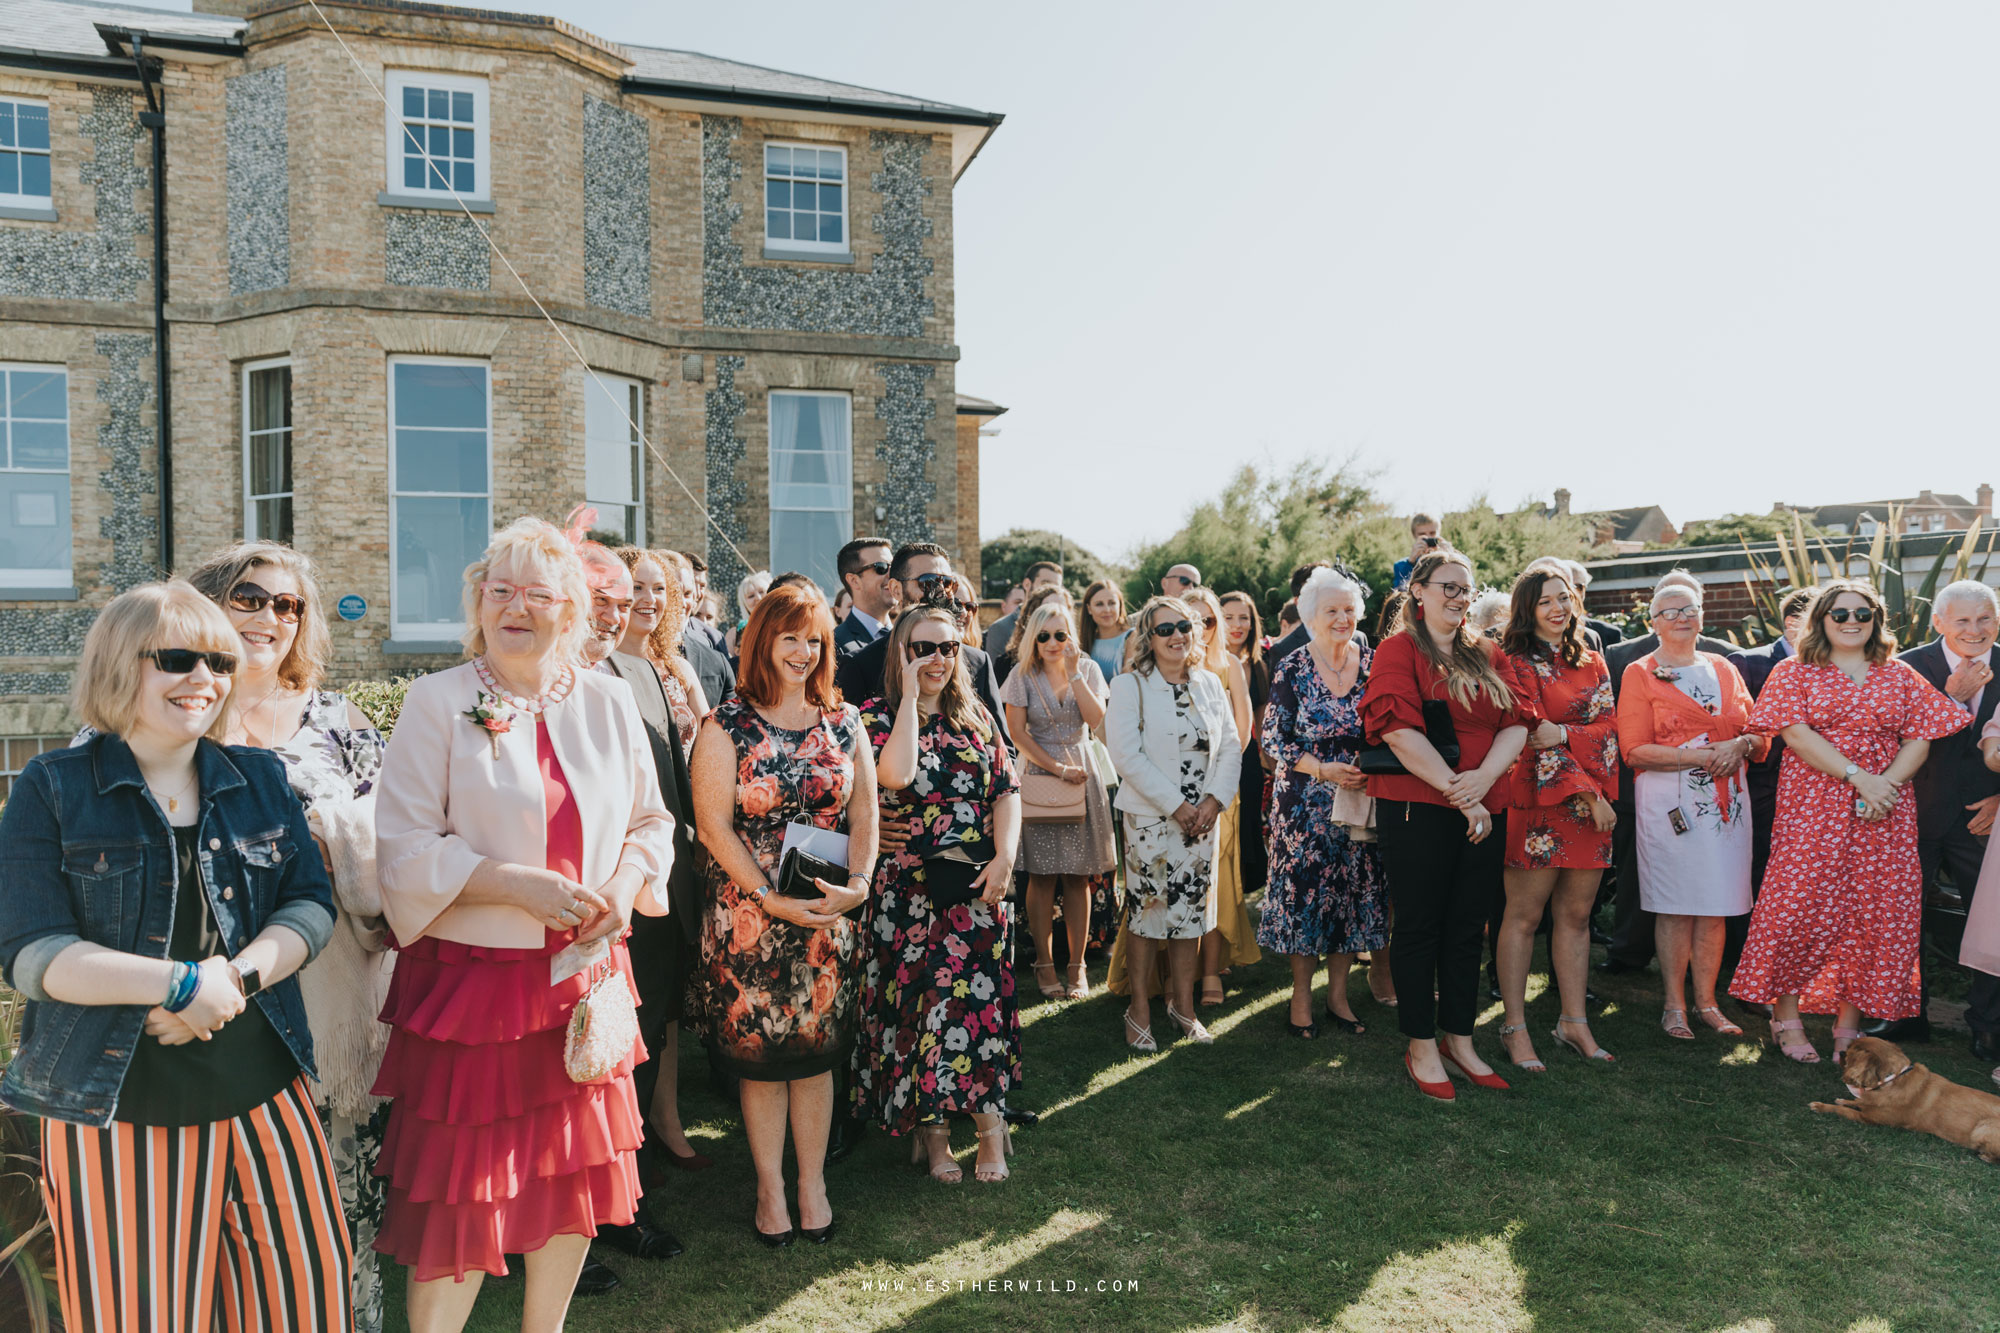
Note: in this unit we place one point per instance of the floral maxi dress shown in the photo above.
(940, 1032)
(1838, 916)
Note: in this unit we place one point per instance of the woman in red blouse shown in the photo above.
(1559, 814)
(1432, 820)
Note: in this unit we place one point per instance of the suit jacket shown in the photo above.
(703, 632)
(859, 677)
(676, 792)
(711, 667)
(851, 636)
(1607, 634)
(1298, 639)
(1754, 665)
(1624, 653)
(1953, 775)
(999, 632)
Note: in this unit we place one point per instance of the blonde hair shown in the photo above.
(532, 546)
(1468, 669)
(1050, 609)
(1033, 602)
(1141, 658)
(1815, 649)
(216, 577)
(173, 614)
(957, 703)
(1214, 648)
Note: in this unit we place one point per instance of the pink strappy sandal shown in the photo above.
(1803, 1052)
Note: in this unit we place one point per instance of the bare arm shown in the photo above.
(1414, 751)
(896, 767)
(1088, 701)
(713, 775)
(1239, 701)
(1017, 726)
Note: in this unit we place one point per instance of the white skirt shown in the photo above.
(1706, 870)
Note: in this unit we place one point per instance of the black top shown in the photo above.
(858, 677)
(245, 1064)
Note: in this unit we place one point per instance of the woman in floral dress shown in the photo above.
(1326, 892)
(1836, 922)
(940, 1033)
(779, 976)
(1559, 815)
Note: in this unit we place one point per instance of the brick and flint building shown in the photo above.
(754, 266)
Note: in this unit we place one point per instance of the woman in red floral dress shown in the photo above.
(1835, 926)
(1559, 813)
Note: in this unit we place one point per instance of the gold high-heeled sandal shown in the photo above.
(985, 1174)
(1052, 988)
(1079, 983)
(947, 1172)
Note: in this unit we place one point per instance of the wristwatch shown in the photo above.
(1848, 776)
(248, 982)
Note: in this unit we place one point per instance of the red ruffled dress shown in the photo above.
(491, 1149)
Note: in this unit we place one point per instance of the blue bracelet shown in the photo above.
(185, 985)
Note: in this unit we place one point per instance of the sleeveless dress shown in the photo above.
(779, 1000)
(491, 1149)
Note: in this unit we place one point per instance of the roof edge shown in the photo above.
(714, 92)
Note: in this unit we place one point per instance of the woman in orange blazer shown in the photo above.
(1681, 726)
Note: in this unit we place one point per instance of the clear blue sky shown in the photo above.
(1699, 254)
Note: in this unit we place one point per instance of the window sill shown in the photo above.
(422, 648)
(25, 213)
(439, 201)
(37, 594)
(791, 256)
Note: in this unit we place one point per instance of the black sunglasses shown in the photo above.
(180, 661)
(929, 581)
(1166, 629)
(251, 598)
(876, 567)
(1059, 635)
(949, 648)
(1862, 614)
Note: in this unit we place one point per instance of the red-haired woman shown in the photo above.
(779, 975)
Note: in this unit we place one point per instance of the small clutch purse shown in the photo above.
(1380, 761)
(602, 1029)
(797, 870)
(948, 880)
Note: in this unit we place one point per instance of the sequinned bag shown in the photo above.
(602, 1029)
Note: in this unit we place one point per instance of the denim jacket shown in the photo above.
(86, 854)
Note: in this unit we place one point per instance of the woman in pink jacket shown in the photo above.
(520, 827)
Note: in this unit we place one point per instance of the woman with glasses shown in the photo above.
(1835, 929)
(521, 828)
(1053, 700)
(1684, 727)
(940, 1031)
(1017, 642)
(965, 607)
(1105, 629)
(1433, 682)
(158, 890)
(1173, 740)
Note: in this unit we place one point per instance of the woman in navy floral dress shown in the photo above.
(1326, 894)
(940, 1033)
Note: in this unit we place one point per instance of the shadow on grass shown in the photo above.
(1270, 1183)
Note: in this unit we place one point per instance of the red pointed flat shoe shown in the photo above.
(1444, 1092)
(1493, 1081)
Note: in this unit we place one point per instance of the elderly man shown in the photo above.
(1041, 574)
(1955, 792)
(1631, 947)
(1178, 579)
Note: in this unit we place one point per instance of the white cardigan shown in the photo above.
(1149, 760)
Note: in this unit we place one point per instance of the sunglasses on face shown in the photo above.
(1166, 629)
(1862, 614)
(535, 595)
(965, 609)
(248, 597)
(180, 661)
(1452, 591)
(1059, 635)
(929, 581)
(1208, 622)
(1183, 580)
(875, 567)
(948, 649)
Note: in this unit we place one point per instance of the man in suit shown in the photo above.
(919, 567)
(700, 630)
(1956, 794)
(863, 565)
(1041, 573)
(704, 652)
(1631, 947)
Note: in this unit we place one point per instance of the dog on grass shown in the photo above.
(1891, 1089)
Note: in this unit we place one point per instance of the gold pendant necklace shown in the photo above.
(174, 801)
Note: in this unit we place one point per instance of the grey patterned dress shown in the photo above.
(1169, 880)
(1056, 725)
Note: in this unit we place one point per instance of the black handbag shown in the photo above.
(948, 879)
(797, 870)
(1380, 761)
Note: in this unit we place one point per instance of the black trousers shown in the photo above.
(1763, 812)
(1960, 852)
(660, 955)
(1631, 924)
(1442, 887)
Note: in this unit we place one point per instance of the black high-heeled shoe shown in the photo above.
(777, 1240)
(1352, 1026)
(1304, 1031)
(818, 1235)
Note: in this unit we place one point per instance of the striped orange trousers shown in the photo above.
(234, 1224)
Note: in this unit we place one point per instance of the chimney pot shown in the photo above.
(1562, 501)
(1985, 496)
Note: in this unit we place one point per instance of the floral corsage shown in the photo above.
(1666, 673)
(491, 715)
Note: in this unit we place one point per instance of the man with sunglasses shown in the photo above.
(923, 571)
(1178, 579)
(1042, 573)
(864, 566)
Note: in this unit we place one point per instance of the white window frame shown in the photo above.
(16, 199)
(251, 532)
(16, 751)
(45, 578)
(630, 394)
(772, 509)
(394, 82)
(843, 246)
(423, 631)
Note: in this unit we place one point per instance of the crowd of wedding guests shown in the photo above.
(302, 999)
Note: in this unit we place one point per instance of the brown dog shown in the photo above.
(1891, 1089)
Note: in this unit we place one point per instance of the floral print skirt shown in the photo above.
(777, 1000)
(1559, 836)
(939, 1028)
(1169, 881)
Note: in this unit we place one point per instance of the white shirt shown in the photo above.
(1951, 663)
(870, 623)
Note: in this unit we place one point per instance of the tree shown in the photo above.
(1004, 561)
(1735, 529)
(1501, 545)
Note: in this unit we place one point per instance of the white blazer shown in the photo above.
(448, 798)
(1148, 757)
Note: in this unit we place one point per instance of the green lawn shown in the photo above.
(1269, 1183)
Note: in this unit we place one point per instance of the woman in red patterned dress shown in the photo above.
(1835, 926)
(1559, 812)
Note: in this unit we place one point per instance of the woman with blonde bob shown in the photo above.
(160, 891)
(1053, 699)
(521, 827)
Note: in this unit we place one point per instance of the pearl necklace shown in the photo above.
(548, 698)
